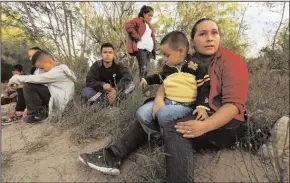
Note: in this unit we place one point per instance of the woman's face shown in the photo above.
(148, 16)
(207, 38)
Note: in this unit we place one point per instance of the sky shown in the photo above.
(260, 21)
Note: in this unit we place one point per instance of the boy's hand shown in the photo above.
(107, 87)
(201, 114)
(112, 96)
(13, 86)
(157, 105)
(143, 83)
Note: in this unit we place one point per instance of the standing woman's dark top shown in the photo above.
(141, 38)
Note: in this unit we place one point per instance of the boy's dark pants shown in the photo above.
(37, 97)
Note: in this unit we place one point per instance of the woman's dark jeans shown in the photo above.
(143, 57)
(180, 161)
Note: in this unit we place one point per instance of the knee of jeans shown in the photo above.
(142, 116)
(163, 116)
(88, 92)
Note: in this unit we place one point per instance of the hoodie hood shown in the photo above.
(68, 72)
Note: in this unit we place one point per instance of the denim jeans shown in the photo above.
(91, 95)
(165, 114)
(143, 57)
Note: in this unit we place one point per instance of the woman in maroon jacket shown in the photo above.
(141, 38)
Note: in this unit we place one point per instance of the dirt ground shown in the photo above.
(41, 153)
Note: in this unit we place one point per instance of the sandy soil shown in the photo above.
(41, 153)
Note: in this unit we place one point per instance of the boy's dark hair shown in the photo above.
(194, 28)
(145, 9)
(35, 48)
(175, 40)
(39, 53)
(17, 67)
(107, 45)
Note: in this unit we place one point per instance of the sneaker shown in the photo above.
(34, 118)
(278, 142)
(102, 161)
(31, 118)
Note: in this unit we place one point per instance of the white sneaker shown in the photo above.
(277, 148)
(278, 142)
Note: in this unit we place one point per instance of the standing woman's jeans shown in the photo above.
(143, 57)
(180, 160)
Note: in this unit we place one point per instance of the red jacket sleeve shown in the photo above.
(235, 80)
(131, 28)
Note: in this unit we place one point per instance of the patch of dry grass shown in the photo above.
(85, 121)
(6, 159)
(35, 146)
(269, 92)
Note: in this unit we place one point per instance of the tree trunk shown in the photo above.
(72, 36)
(57, 18)
(85, 32)
(35, 32)
(67, 32)
(274, 41)
(30, 19)
(54, 34)
(241, 23)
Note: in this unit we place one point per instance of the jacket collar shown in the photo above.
(113, 63)
(141, 18)
(219, 52)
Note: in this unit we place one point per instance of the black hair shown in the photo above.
(39, 53)
(194, 28)
(107, 45)
(35, 48)
(176, 39)
(17, 67)
(145, 9)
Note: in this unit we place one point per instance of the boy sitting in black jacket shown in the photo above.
(107, 80)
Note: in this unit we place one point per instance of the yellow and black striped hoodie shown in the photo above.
(186, 82)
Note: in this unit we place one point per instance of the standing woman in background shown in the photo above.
(141, 39)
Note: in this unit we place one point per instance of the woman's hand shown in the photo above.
(192, 128)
